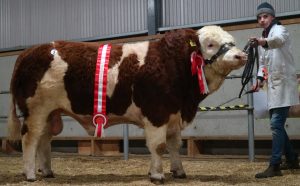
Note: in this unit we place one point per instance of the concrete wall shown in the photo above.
(214, 123)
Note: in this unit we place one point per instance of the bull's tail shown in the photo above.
(14, 124)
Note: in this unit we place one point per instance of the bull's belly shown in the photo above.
(133, 115)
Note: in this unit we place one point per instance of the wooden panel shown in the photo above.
(98, 147)
(84, 147)
(106, 147)
(193, 147)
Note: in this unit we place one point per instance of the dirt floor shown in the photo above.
(86, 170)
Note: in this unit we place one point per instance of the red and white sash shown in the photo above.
(100, 87)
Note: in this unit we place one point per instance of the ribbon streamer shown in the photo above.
(197, 68)
(99, 116)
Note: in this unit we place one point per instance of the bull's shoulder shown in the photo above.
(179, 43)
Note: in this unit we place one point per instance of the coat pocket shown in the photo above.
(276, 79)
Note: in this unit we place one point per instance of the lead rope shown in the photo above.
(251, 49)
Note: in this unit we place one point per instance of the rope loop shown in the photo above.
(251, 49)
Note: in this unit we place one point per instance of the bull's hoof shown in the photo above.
(182, 176)
(49, 176)
(157, 178)
(157, 181)
(175, 174)
(31, 179)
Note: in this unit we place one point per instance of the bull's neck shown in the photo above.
(215, 76)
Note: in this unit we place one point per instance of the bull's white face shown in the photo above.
(212, 38)
(234, 58)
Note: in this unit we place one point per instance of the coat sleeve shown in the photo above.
(260, 72)
(278, 38)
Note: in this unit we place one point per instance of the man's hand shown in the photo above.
(258, 41)
(259, 84)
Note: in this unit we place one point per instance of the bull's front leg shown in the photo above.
(173, 145)
(156, 143)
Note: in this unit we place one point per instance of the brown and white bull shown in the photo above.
(150, 84)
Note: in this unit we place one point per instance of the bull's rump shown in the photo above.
(72, 69)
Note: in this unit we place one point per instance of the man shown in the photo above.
(277, 69)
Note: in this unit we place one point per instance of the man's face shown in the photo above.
(264, 20)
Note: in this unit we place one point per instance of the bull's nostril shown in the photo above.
(238, 57)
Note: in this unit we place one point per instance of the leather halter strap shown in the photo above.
(224, 48)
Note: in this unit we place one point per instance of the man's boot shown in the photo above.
(271, 171)
(290, 164)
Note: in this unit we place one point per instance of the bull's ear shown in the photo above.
(192, 43)
(192, 38)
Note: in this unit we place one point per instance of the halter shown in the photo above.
(224, 48)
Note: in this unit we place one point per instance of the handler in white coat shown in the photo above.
(278, 70)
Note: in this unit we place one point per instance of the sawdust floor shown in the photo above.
(202, 170)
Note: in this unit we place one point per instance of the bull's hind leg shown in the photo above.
(54, 126)
(44, 155)
(34, 126)
(156, 143)
(173, 146)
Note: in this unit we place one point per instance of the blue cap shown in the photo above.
(265, 8)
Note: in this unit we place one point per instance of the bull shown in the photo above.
(152, 84)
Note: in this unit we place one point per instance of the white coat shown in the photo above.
(278, 60)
